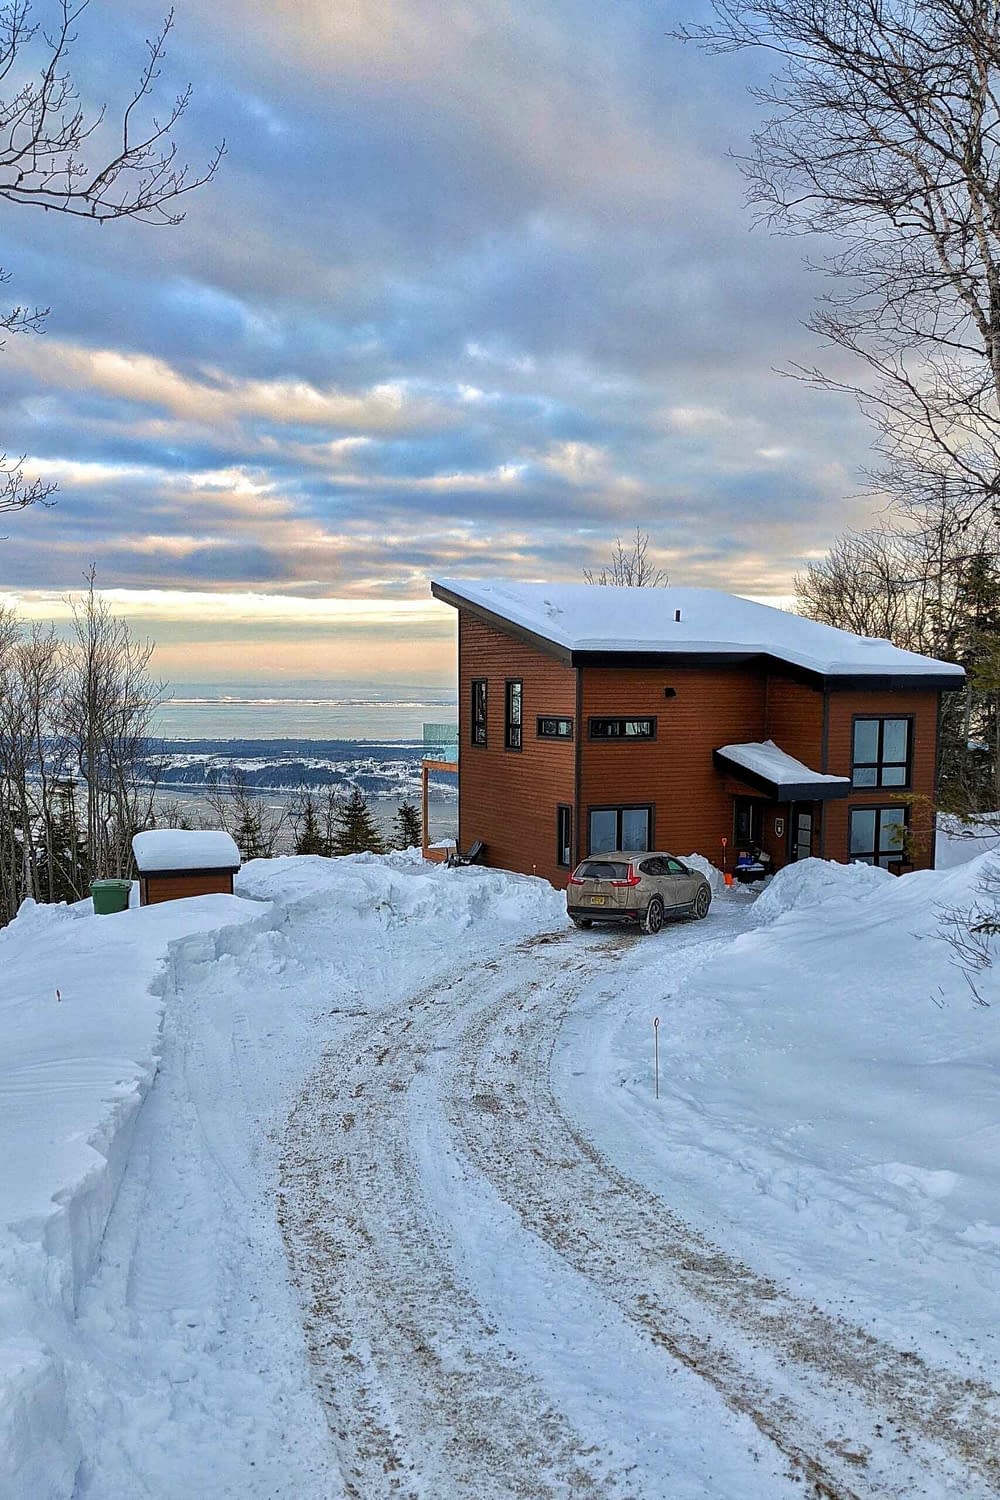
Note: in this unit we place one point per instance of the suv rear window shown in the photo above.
(602, 869)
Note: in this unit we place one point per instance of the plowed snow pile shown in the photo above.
(429, 1094)
(830, 1099)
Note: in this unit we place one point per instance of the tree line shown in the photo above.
(79, 772)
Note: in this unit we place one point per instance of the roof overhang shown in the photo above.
(807, 787)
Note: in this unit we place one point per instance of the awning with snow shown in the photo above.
(765, 765)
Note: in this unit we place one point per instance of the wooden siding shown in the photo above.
(508, 798)
(794, 719)
(156, 888)
(675, 772)
(923, 707)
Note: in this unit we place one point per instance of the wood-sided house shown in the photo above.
(593, 718)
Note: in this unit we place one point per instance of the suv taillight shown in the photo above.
(631, 878)
(575, 880)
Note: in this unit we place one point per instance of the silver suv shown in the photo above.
(639, 886)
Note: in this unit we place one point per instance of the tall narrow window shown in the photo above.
(881, 752)
(564, 836)
(513, 715)
(479, 710)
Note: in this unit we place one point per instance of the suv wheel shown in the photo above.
(702, 901)
(581, 922)
(653, 920)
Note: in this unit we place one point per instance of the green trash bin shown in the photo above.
(110, 896)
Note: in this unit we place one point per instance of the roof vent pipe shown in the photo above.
(677, 616)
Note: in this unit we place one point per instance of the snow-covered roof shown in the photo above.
(785, 776)
(184, 849)
(586, 618)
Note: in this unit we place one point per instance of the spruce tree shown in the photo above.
(409, 830)
(356, 831)
(309, 836)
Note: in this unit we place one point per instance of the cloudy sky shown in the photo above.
(474, 290)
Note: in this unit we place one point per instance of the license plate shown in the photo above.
(597, 900)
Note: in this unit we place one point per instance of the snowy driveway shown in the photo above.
(495, 1309)
(513, 1272)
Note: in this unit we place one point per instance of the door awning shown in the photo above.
(764, 765)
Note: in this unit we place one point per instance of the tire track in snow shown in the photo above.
(424, 1397)
(783, 1362)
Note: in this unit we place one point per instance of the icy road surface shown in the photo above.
(403, 1219)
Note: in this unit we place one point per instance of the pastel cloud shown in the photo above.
(474, 292)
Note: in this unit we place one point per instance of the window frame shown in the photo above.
(898, 856)
(479, 727)
(879, 765)
(512, 741)
(620, 739)
(541, 719)
(564, 810)
(649, 808)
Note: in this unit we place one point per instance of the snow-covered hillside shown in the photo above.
(355, 1183)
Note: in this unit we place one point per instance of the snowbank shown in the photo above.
(402, 888)
(958, 842)
(830, 1106)
(812, 882)
(79, 1022)
(705, 867)
(100, 1396)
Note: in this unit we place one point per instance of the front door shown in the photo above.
(802, 830)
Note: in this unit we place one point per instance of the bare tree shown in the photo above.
(241, 811)
(630, 567)
(108, 704)
(97, 165)
(883, 137)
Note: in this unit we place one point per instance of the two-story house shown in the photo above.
(594, 718)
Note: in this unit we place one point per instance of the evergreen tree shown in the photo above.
(356, 830)
(249, 834)
(409, 830)
(309, 835)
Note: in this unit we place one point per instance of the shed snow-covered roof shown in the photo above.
(786, 778)
(161, 849)
(590, 620)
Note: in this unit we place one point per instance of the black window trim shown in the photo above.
(623, 807)
(879, 765)
(476, 723)
(561, 808)
(878, 808)
(559, 719)
(508, 724)
(619, 739)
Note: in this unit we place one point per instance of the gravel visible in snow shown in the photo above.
(514, 1270)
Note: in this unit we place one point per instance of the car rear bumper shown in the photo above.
(604, 913)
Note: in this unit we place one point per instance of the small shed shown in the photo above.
(177, 862)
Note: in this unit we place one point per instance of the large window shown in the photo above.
(877, 835)
(623, 729)
(513, 703)
(479, 711)
(881, 752)
(564, 836)
(618, 828)
(549, 728)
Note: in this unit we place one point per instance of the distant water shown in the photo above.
(311, 710)
(326, 736)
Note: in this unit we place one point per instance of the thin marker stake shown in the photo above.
(656, 1053)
